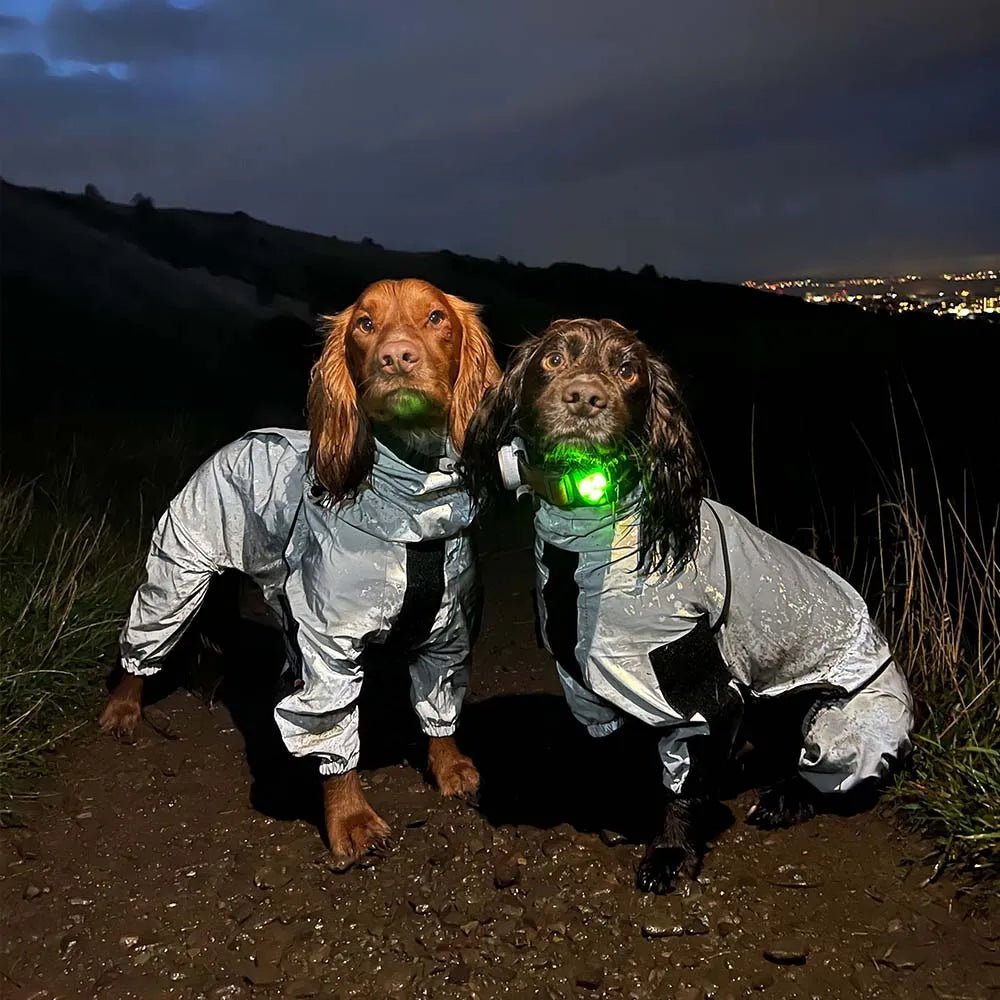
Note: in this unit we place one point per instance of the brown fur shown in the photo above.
(351, 386)
(348, 388)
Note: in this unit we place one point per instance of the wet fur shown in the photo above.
(647, 417)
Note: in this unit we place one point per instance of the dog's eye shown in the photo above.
(551, 361)
(436, 318)
(628, 372)
(365, 323)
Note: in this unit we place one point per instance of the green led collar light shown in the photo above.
(566, 476)
(592, 486)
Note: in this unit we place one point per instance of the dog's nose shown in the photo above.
(585, 397)
(399, 356)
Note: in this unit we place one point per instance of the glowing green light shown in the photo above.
(407, 404)
(593, 487)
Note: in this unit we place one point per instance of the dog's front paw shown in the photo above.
(662, 865)
(784, 804)
(454, 774)
(459, 778)
(120, 718)
(360, 833)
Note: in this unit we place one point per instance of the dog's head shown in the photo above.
(591, 386)
(406, 355)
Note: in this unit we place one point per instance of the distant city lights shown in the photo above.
(906, 293)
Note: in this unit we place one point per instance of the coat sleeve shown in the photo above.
(600, 717)
(213, 524)
(439, 671)
(337, 596)
(319, 718)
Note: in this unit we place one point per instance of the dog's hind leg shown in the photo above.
(784, 803)
(123, 710)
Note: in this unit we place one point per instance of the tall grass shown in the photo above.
(939, 604)
(66, 580)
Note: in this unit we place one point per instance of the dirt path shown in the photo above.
(189, 865)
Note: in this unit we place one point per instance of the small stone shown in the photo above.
(657, 930)
(129, 941)
(453, 918)
(510, 909)
(612, 837)
(894, 926)
(589, 978)
(903, 958)
(554, 847)
(243, 912)
(301, 988)
(507, 872)
(27, 848)
(762, 982)
(272, 877)
(67, 944)
(696, 926)
(228, 991)
(31, 891)
(787, 953)
(394, 979)
(460, 975)
(264, 974)
(84, 815)
(504, 929)
(419, 907)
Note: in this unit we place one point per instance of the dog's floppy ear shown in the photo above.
(477, 368)
(673, 481)
(341, 446)
(493, 424)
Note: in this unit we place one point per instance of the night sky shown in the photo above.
(720, 139)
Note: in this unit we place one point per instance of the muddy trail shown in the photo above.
(191, 864)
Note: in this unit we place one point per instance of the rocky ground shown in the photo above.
(190, 865)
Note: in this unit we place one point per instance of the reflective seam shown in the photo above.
(724, 614)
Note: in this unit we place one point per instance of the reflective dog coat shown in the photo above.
(395, 562)
(755, 618)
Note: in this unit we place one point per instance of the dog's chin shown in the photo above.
(407, 408)
(575, 446)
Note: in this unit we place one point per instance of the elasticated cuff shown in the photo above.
(601, 729)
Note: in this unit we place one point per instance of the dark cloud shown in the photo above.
(9, 23)
(137, 31)
(720, 139)
(17, 66)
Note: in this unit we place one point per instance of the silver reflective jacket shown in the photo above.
(397, 561)
(756, 617)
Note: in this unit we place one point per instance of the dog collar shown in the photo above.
(586, 483)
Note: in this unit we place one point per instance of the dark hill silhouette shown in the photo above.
(135, 313)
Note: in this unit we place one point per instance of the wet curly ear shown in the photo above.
(673, 479)
(341, 446)
(478, 370)
(493, 424)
